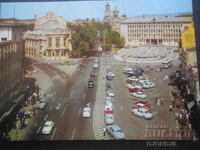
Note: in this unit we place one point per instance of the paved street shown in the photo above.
(66, 99)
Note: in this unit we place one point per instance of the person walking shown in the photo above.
(104, 131)
(170, 107)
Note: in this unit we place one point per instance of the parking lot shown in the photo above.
(134, 127)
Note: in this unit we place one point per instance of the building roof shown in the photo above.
(154, 19)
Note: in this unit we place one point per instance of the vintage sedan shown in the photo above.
(115, 131)
(141, 112)
(139, 95)
(48, 126)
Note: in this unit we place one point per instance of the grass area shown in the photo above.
(117, 49)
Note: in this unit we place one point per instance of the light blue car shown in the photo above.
(115, 131)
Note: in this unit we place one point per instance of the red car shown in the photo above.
(135, 90)
(145, 103)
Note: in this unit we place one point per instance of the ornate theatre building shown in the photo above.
(50, 39)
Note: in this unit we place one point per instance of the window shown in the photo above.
(65, 41)
(3, 39)
(49, 43)
(57, 42)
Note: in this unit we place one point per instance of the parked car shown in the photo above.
(110, 93)
(96, 60)
(41, 105)
(48, 126)
(141, 112)
(127, 69)
(134, 86)
(108, 109)
(115, 131)
(95, 65)
(110, 74)
(86, 112)
(133, 78)
(146, 104)
(139, 95)
(109, 77)
(109, 118)
(108, 86)
(109, 99)
(143, 77)
(141, 105)
(143, 81)
(147, 85)
(136, 73)
(135, 90)
(90, 84)
(93, 73)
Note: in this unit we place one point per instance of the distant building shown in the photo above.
(150, 31)
(188, 57)
(113, 17)
(12, 29)
(50, 39)
(186, 16)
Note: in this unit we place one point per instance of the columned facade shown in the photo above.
(151, 31)
(51, 38)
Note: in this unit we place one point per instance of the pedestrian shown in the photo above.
(161, 101)
(170, 107)
(104, 131)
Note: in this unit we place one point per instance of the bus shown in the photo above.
(166, 64)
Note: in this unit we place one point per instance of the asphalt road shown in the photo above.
(67, 99)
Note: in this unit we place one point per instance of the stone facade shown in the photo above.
(50, 39)
(11, 71)
(150, 31)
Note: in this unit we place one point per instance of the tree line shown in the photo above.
(87, 37)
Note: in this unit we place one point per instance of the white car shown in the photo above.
(139, 95)
(147, 85)
(86, 112)
(142, 81)
(128, 69)
(48, 126)
(110, 93)
(95, 65)
(141, 112)
(133, 78)
(110, 74)
(109, 99)
(109, 118)
(96, 60)
(131, 86)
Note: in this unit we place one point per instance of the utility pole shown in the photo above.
(14, 11)
(0, 10)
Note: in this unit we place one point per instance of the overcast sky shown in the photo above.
(94, 9)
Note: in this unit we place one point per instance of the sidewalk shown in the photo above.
(22, 126)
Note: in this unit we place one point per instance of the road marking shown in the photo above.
(84, 96)
(73, 134)
(38, 130)
(53, 134)
(70, 95)
(63, 112)
(79, 112)
(45, 117)
(121, 108)
(50, 108)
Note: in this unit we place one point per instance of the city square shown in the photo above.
(119, 78)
